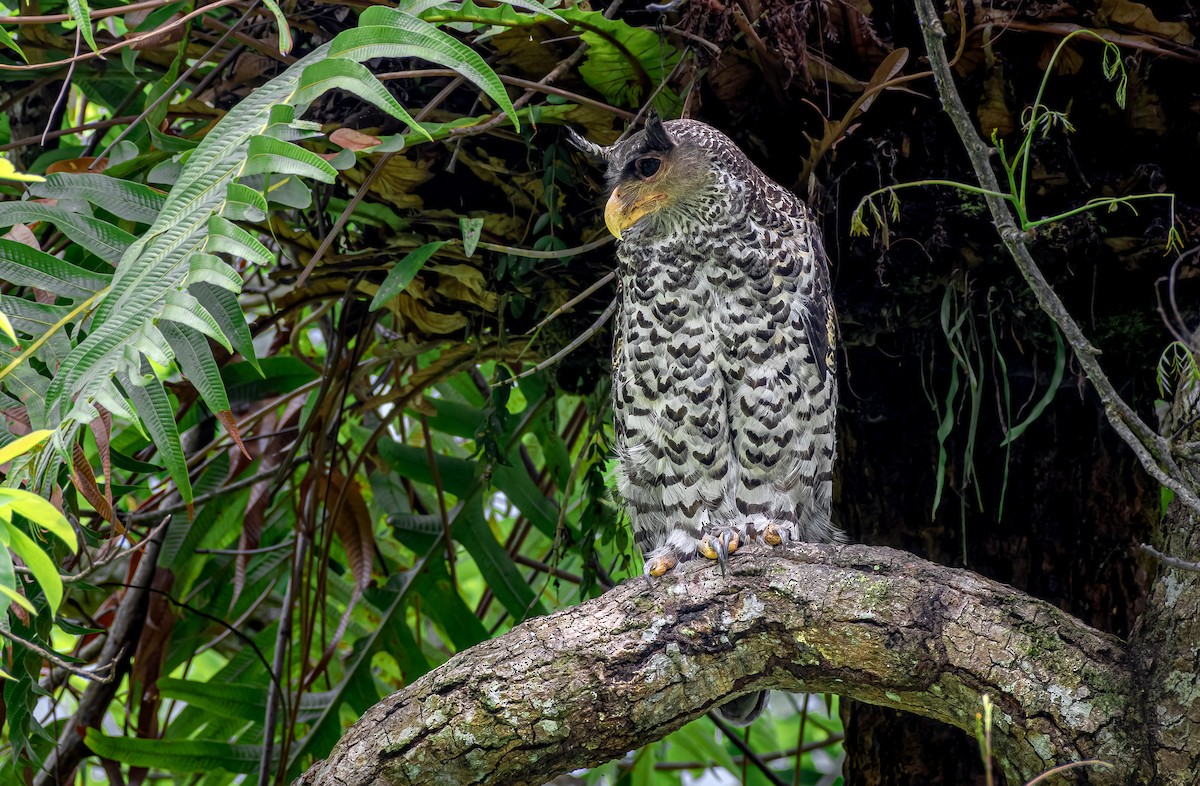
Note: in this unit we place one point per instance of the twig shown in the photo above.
(203, 498)
(135, 39)
(95, 566)
(530, 253)
(551, 570)
(1069, 766)
(569, 348)
(66, 87)
(57, 660)
(1151, 449)
(95, 13)
(1167, 559)
(750, 756)
(565, 307)
(528, 84)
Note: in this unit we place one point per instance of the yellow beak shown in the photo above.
(619, 216)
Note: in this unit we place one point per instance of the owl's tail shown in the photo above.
(744, 709)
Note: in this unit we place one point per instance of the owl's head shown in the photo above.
(666, 176)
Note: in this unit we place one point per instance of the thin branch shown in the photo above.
(95, 675)
(130, 41)
(121, 554)
(570, 304)
(1167, 559)
(1151, 449)
(95, 13)
(569, 348)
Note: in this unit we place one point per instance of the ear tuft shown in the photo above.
(656, 134)
(592, 150)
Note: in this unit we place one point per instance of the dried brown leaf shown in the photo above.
(350, 139)
(1123, 13)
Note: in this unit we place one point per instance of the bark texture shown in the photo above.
(587, 684)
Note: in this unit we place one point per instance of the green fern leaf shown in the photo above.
(130, 201)
(382, 31)
(154, 409)
(24, 266)
(196, 361)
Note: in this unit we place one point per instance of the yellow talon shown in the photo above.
(771, 535)
(708, 546)
(660, 565)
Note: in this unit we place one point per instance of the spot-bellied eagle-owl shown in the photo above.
(724, 391)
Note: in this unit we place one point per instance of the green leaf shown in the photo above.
(213, 270)
(495, 564)
(8, 578)
(130, 201)
(185, 309)
(273, 376)
(223, 306)
(176, 755)
(446, 607)
(6, 328)
(1060, 367)
(622, 62)
(24, 266)
(83, 17)
(7, 40)
(285, 33)
(228, 237)
(354, 78)
(196, 361)
(695, 743)
(403, 272)
(267, 155)
(39, 512)
(244, 204)
(22, 445)
(44, 571)
(471, 229)
(244, 702)
(386, 32)
(31, 317)
(99, 237)
(154, 409)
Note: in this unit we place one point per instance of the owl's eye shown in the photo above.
(646, 167)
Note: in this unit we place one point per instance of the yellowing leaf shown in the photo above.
(23, 445)
(9, 172)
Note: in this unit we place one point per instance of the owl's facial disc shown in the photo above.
(650, 176)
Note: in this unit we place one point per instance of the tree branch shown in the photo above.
(1152, 450)
(587, 684)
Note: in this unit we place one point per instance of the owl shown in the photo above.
(724, 389)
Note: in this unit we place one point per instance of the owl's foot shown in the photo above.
(719, 546)
(771, 535)
(660, 564)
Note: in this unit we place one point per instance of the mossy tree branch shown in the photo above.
(588, 684)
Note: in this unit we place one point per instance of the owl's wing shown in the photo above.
(784, 405)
